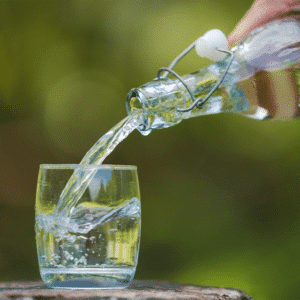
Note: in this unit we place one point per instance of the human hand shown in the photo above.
(261, 13)
(275, 91)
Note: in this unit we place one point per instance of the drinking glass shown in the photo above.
(96, 244)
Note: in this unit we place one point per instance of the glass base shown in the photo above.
(87, 278)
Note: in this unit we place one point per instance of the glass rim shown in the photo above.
(79, 166)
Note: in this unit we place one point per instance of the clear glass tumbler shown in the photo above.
(96, 245)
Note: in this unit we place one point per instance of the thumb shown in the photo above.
(257, 16)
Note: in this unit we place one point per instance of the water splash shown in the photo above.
(83, 220)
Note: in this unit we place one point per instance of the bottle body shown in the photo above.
(274, 47)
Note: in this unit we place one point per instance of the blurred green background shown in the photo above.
(220, 194)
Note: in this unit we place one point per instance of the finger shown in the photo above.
(257, 16)
(293, 5)
(278, 93)
(292, 9)
(249, 22)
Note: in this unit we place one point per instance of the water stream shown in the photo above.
(80, 179)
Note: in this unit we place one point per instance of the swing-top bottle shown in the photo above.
(228, 84)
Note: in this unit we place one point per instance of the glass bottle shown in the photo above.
(273, 48)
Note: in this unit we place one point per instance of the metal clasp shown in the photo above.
(199, 101)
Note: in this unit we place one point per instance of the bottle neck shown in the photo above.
(159, 100)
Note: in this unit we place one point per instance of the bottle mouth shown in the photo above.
(136, 105)
(134, 102)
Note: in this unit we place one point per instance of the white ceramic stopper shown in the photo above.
(207, 45)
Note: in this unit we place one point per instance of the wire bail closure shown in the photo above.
(199, 102)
